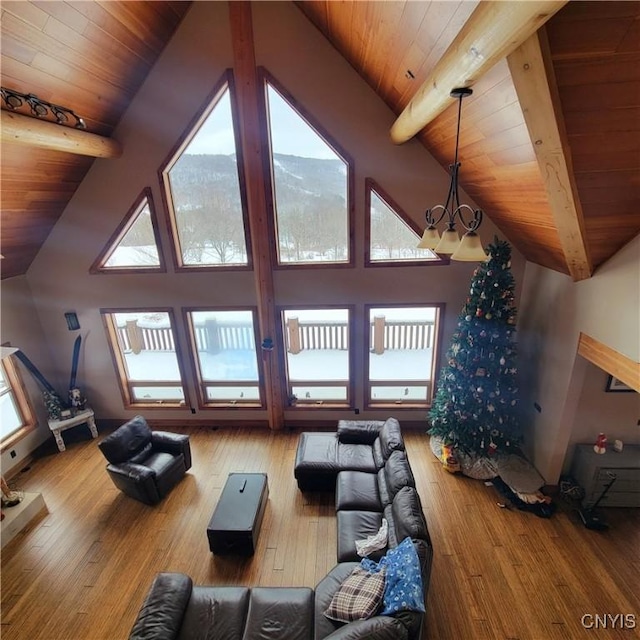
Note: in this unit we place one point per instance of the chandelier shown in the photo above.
(469, 249)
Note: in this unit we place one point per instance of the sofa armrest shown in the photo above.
(160, 616)
(376, 628)
(175, 443)
(135, 480)
(132, 471)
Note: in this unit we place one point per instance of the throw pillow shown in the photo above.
(403, 583)
(359, 596)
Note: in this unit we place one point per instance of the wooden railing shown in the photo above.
(400, 334)
(384, 334)
(213, 336)
(307, 336)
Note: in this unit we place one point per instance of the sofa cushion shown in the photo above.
(162, 611)
(358, 431)
(403, 588)
(355, 457)
(222, 611)
(280, 613)
(126, 441)
(357, 490)
(408, 517)
(390, 438)
(358, 597)
(324, 593)
(356, 525)
(398, 473)
(376, 628)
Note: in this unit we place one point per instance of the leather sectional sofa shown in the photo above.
(365, 462)
(367, 465)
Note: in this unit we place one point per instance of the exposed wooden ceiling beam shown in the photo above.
(23, 129)
(614, 363)
(247, 90)
(492, 32)
(534, 80)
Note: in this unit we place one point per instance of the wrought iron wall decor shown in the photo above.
(14, 100)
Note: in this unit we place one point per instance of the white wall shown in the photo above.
(554, 310)
(616, 414)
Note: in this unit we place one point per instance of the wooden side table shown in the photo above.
(82, 417)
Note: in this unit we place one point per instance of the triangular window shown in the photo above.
(135, 246)
(311, 186)
(393, 235)
(205, 190)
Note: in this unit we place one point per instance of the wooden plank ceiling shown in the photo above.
(92, 57)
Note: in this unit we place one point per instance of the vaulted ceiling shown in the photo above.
(549, 142)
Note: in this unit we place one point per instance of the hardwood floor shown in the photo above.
(81, 572)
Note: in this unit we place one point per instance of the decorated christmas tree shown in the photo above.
(475, 407)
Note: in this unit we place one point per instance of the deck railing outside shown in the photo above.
(214, 336)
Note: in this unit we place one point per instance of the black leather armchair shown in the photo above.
(145, 464)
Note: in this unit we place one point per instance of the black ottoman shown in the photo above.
(235, 524)
(317, 465)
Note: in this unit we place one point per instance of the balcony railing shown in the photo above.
(213, 336)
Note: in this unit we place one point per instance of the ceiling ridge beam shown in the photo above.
(535, 83)
(21, 129)
(491, 33)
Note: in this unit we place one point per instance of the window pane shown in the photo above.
(401, 351)
(155, 394)
(310, 189)
(226, 352)
(237, 394)
(399, 394)
(317, 342)
(138, 246)
(205, 193)
(10, 420)
(391, 237)
(147, 345)
(318, 394)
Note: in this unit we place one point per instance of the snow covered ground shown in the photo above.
(306, 366)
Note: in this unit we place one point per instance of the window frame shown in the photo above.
(99, 268)
(301, 404)
(266, 78)
(119, 363)
(226, 81)
(369, 404)
(371, 185)
(16, 388)
(203, 402)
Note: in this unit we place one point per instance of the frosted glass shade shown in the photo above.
(430, 239)
(470, 249)
(449, 242)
